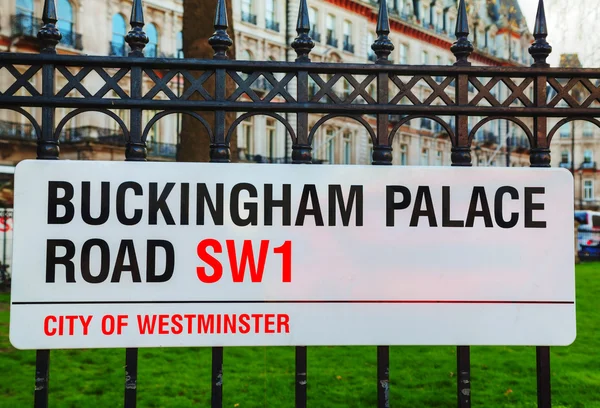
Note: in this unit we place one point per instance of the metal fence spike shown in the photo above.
(382, 45)
(540, 49)
(49, 35)
(220, 40)
(136, 37)
(462, 47)
(303, 44)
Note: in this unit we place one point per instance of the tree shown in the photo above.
(198, 27)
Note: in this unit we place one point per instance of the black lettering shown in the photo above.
(65, 201)
(310, 190)
(391, 205)
(530, 206)
(151, 275)
(184, 216)
(66, 260)
(423, 193)
(203, 197)
(479, 195)
(159, 203)
(86, 203)
(137, 213)
(234, 205)
(285, 203)
(104, 260)
(514, 217)
(446, 221)
(126, 247)
(355, 196)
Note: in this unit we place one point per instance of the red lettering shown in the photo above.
(256, 322)
(247, 257)
(47, 330)
(177, 327)
(269, 322)
(163, 324)
(206, 324)
(121, 322)
(71, 325)
(189, 318)
(108, 325)
(283, 323)
(229, 323)
(244, 326)
(146, 325)
(85, 323)
(286, 269)
(209, 260)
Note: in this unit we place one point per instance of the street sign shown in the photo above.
(110, 254)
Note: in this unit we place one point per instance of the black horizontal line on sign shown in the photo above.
(122, 302)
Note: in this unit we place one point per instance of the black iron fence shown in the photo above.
(461, 91)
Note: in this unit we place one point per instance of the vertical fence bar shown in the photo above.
(219, 153)
(461, 156)
(302, 154)
(47, 149)
(135, 150)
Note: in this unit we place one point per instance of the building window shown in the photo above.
(439, 158)
(179, 44)
(424, 58)
(247, 12)
(151, 49)
(565, 156)
(348, 46)
(369, 150)
(370, 53)
(65, 24)
(588, 129)
(588, 189)
(565, 130)
(247, 138)
(314, 24)
(403, 54)
(271, 15)
(119, 30)
(424, 157)
(403, 155)
(271, 140)
(347, 148)
(331, 36)
(330, 145)
(588, 156)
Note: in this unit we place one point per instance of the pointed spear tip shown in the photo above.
(303, 23)
(137, 13)
(383, 20)
(540, 28)
(221, 15)
(462, 23)
(49, 12)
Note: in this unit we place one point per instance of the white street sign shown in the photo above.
(116, 254)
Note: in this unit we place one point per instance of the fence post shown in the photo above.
(540, 157)
(461, 156)
(302, 154)
(47, 149)
(382, 155)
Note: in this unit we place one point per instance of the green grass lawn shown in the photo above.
(337, 376)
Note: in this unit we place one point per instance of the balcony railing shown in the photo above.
(25, 25)
(332, 41)
(372, 57)
(315, 35)
(151, 51)
(272, 25)
(16, 131)
(159, 149)
(588, 165)
(348, 47)
(117, 49)
(565, 165)
(249, 17)
(262, 85)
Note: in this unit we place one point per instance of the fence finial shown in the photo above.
(49, 35)
(136, 37)
(303, 44)
(540, 49)
(220, 41)
(462, 47)
(382, 45)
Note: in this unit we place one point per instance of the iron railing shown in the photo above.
(25, 25)
(117, 49)
(249, 17)
(17, 131)
(396, 95)
(272, 25)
